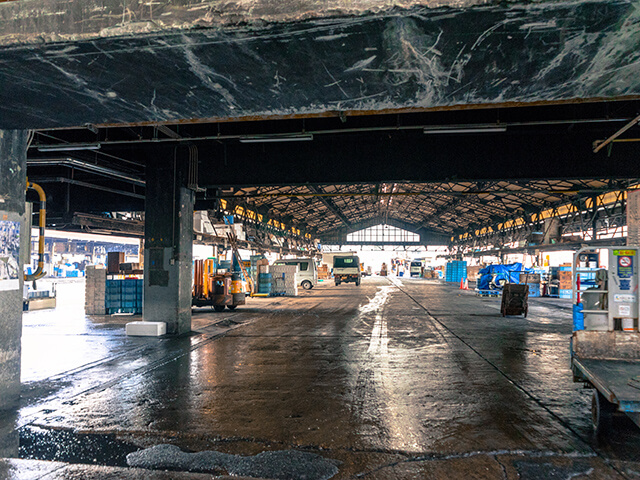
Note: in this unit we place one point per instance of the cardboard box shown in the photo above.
(529, 278)
(114, 259)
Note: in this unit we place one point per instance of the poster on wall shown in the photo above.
(9, 255)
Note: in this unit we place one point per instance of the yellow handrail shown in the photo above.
(39, 273)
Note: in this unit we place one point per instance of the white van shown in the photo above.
(307, 271)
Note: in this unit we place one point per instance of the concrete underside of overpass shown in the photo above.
(113, 63)
(397, 378)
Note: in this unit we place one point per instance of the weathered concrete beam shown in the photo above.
(403, 58)
(37, 21)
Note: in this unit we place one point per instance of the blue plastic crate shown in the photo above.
(134, 310)
(534, 289)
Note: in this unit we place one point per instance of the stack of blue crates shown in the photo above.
(112, 296)
(534, 289)
(253, 272)
(124, 296)
(132, 295)
(264, 283)
(456, 271)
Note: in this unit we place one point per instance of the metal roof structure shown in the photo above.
(443, 209)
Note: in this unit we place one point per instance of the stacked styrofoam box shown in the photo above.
(284, 280)
(239, 231)
(94, 293)
(291, 284)
(201, 222)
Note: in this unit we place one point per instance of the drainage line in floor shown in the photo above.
(515, 384)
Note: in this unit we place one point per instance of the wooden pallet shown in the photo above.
(488, 293)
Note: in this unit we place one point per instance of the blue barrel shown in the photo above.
(578, 317)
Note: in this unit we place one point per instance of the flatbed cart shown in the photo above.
(616, 385)
(515, 300)
(605, 346)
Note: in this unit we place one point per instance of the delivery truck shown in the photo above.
(347, 269)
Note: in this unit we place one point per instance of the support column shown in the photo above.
(13, 243)
(594, 218)
(168, 241)
(633, 217)
(552, 231)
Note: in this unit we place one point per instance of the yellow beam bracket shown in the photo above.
(39, 273)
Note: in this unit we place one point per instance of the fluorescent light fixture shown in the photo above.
(295, 137)
(66, 147)
(466, 129)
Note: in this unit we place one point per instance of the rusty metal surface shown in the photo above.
(359, 113)
(615, 345)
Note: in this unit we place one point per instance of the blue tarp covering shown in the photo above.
(494, 276)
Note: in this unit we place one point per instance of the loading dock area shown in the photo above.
(397, 378)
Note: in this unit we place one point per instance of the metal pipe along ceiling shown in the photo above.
(87, 167)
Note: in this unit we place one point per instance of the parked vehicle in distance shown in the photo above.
(415, 270)
(307, 271)
(347, 269)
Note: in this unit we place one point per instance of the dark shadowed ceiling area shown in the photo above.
(440, 173)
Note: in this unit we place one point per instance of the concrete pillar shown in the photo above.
(168, 241)
(552, 231)
(13, 243)
(633, 217)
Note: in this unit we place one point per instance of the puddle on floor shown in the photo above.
(64, 445)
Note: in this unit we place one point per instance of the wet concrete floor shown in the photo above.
(397, 378)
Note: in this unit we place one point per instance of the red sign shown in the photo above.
(624, 261)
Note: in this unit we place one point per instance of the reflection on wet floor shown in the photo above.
(395, 380)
